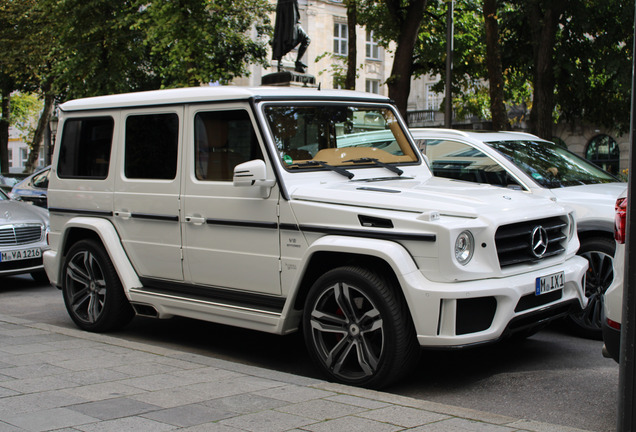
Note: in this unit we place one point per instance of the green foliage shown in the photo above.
(595, 55)
(376, 16)
(98, 50)
(25, 110)
(593, 58)
(470, 95)
(200, 41)
(25, 39)
(338, 68)
(92, 47)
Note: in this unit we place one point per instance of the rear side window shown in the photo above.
(85, 148)
(152, 143)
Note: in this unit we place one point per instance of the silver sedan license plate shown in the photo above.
(549, 283)
(20, 254)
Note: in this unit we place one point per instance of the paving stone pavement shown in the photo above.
(60, 379)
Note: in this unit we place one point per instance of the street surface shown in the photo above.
(551, 377)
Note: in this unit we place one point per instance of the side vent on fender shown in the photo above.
(375, 222)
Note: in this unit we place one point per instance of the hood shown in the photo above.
(17, 212)
(591, 202)
(593, 193)
(448, 197)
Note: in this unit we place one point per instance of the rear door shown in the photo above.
(147, 187)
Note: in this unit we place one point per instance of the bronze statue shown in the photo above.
(288, 33)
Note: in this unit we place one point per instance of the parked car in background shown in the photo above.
(8, 180)
(525, 162)
(613, 297)
(6, 184)
(23, 229)
(34, 188)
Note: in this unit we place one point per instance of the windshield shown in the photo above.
(550, 165)
(326, 136)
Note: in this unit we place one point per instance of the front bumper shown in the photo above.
(22, 266)
(475, 312)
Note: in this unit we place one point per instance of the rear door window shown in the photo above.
(85, 148)
(152, 145)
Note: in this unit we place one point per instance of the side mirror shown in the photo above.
(253, 173)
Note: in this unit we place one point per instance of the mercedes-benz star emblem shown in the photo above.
(539, 241)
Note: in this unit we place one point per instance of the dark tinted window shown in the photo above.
(152, 146)
(85, 148)
(460, 161)
(222, 140)
(550, 165)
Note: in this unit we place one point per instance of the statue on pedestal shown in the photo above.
(288, 34)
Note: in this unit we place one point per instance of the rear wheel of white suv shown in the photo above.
(92, 292)
(599, 252)
(357, 328)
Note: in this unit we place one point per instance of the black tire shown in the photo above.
(357, 328)
(599, 252)
(93, 294)
(40, 276)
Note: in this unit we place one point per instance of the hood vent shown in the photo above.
(375, 189)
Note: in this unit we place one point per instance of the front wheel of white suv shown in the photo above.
(599, 252)
(357, 328)
(92, 292)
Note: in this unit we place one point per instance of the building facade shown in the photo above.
(19, 152)
(325, 21)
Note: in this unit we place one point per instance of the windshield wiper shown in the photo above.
(391, 168)
(336, 169)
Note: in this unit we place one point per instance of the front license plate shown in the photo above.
(20, 254)
(550, 283)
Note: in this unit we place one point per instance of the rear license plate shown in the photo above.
(20, 254)
(549, 283)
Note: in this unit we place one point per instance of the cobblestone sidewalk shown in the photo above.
(54, 378)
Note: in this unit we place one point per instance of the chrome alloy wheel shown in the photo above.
(598, 278)
(86, 286)
(348, 332)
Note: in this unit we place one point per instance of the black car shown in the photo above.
(34, 188)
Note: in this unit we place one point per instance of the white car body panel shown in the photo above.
(303, 215)
(594, 203)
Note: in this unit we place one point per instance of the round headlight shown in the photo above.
(464, 247)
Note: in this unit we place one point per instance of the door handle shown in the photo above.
(123, 214)
(197, 220)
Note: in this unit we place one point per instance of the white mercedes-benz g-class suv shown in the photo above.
(281, 209)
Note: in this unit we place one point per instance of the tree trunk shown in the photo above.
(4, 130)
(399, 83)
(495, 70)
(40, 133)
(543, 26)
(352, 22)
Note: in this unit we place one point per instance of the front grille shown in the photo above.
(11, 235)
(514, 241)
